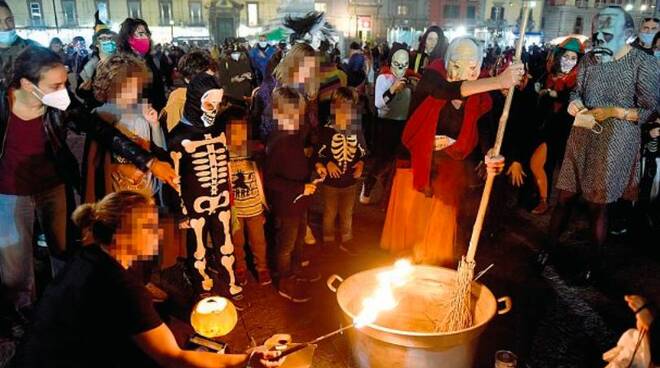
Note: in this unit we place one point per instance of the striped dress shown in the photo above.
(604, 167)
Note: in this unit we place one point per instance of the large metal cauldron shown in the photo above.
(406, 337)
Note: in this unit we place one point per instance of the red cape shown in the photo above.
(419, 133)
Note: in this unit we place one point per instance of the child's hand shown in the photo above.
(358, 168)
(321, 170)
(309, 189)
(333, 170)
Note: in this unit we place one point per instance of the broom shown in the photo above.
(459, 314)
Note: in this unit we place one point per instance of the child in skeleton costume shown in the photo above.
(441, 133)
(199, 151)
(339, 159)
(393, 93)
(612, 97)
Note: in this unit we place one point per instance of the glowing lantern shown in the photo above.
(213, 317)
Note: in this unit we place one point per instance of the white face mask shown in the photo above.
(463, 62)
(235, 55)
(58, 99)
(566, 65)
(263, 44)
(400, 61)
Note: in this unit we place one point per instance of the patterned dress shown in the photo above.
(604, 167)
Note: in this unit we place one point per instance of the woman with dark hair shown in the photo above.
(35, 115)
(432, 45)
(96, 296)
(57, 47)
(553, 99)
(135, 38)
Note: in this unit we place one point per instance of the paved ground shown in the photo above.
(554, 323)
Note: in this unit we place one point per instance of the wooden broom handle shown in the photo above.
(488, 187)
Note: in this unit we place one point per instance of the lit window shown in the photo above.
(321, 7)
(196, 13)
(134, 9)
(36, 16)
(402, 10)
(102, 7)
(165, 12)
(252, 14)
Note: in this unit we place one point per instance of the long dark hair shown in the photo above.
(127, 29)
(32, 62)
(440, 48)
(556, 62)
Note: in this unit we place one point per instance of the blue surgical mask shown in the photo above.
(657, 54)
(646, 37)
(8, 37)
(109, 47)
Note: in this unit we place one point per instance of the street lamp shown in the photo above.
(172, 29)
(629, 7)
(643, 8)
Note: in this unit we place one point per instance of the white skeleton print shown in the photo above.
(343, 149)
(206, 199)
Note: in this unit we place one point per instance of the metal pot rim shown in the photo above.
(376, 327)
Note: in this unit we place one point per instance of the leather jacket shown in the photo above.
(57, 124)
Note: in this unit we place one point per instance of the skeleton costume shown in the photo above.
(392, 115)
(198, 149)
(344, 149)
(440, 135)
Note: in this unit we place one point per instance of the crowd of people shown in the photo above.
(231, 143)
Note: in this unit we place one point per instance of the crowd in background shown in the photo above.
(280, 122)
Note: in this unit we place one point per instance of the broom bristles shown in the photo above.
(459, 307)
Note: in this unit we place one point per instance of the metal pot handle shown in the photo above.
(331, 281)
(507, 305)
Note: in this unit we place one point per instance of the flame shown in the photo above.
(382, 298)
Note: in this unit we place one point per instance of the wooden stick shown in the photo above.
(485, 197)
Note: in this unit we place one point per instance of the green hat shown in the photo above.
(572, 44)
(100, 28)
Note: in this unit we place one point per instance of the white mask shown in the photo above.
(566, 64)
(400, 61)
(463, 60)
(235, 55)
(58, 99)
(209, 105)
(263, 44)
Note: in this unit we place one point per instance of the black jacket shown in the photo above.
(57, 123)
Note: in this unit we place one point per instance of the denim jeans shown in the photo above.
(290, 243)
(338, 201)
(17, 215)
(254, 228)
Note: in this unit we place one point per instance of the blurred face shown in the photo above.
(288, 119)
(464, 62)
(237, 137)
(306, 71)
(56, 47)
(568, 61)
(128, 92)
(431, 41)
(138, 234)
(6, 20)
(650, 27)
(345, 114)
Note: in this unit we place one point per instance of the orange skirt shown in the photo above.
(417, 226)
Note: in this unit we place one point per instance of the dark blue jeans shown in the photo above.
(17, 216)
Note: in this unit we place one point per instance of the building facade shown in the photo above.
(564, 17)
(41, 20)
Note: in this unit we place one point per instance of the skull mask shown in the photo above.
(399, 64)
(463, 60)
(209, 104)
(609, 35)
